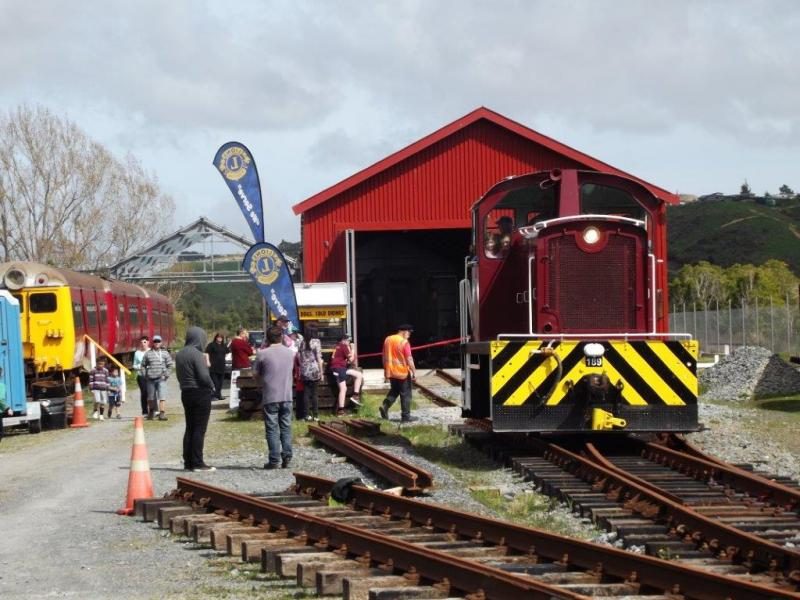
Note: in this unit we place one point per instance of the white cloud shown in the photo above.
(320, 90)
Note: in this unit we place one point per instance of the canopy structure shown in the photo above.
(201, 252)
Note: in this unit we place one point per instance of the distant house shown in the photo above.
(715, 197)
(687, 198)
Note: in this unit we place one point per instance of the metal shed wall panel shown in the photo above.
(432, 189)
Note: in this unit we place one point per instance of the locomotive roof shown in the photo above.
(527, 180)
(57, 277)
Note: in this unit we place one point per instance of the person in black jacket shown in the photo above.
(196, 390)
(216, 351)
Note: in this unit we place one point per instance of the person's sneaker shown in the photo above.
(95, 415)
(315, 419)
(384, 412)
(204, 468)
(341, 412)
(270, 466)
(162, 417)
(102, 418)
(119, 416)
(355, 399)
(409, 420)
(309, 419)
(285, 464)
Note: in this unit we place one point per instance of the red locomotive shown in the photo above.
(567, 301)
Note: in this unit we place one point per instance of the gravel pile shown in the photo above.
(750, 372)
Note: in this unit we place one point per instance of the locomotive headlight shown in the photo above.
(41, 279)
(14, 279)
(591, 235)
(593, 350)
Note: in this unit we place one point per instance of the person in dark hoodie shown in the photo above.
(197, 388)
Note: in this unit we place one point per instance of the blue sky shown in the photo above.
(695, 97)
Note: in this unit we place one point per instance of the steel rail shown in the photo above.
(671, 576)
(433, 396)
(738, 544)
(394, 469)
(738, 479)
(747, 481)
(437, 566)
(447, 377)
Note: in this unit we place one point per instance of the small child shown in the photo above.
(98, 383)
(114, 387)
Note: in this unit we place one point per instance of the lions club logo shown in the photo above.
(265, 266)
(234, 163)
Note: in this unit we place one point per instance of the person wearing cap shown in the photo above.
(399, 370)
(286, 331)
(273, 369)
(156, 364)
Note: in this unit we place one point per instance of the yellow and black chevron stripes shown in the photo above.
(648, 372)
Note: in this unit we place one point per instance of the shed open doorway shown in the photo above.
(409, 277)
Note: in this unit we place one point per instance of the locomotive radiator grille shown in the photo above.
(593, 291)
(647, 372)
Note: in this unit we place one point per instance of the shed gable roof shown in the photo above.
(476, 115)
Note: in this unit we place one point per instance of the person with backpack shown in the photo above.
(309, 366)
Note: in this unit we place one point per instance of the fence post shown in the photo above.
(744, 325)
(771, 326)
(730, 323)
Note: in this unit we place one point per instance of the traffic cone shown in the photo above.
(140, 484)
(78, 412)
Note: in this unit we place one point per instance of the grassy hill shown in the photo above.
(729, 232)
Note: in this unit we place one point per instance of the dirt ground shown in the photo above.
(60, 535)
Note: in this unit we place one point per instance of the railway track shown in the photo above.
(670, 500)
(382, 546)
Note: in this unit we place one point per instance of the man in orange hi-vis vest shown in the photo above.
(399, 371)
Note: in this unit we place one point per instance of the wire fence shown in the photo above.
(717, 326)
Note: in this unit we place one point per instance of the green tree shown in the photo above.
(745, 191)
(785, 191)
(703, 284)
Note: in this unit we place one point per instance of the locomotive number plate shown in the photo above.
(594, 361)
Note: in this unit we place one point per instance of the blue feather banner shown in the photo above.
(269, 270)
(237, 167)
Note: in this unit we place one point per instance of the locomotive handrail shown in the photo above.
(108, 354)
(567, 336)
(532, 231)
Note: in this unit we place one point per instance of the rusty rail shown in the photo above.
(649, 571)
(412, 478)
(719, 537)
(462, 574)
(433, 396)
(447, 377)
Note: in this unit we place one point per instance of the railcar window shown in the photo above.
(42, 302)
(133, 311)
(605, 200)
(91, 315)
(77, 315)
(103, 313)
(21, 301)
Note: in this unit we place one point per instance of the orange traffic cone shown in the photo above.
(78, 412)
(140, 485)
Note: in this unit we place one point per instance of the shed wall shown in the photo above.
(432, 189)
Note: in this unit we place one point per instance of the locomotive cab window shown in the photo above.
(606, 200)
(517, 208)
(42, 302)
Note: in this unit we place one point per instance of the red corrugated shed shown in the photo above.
(430, 184)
